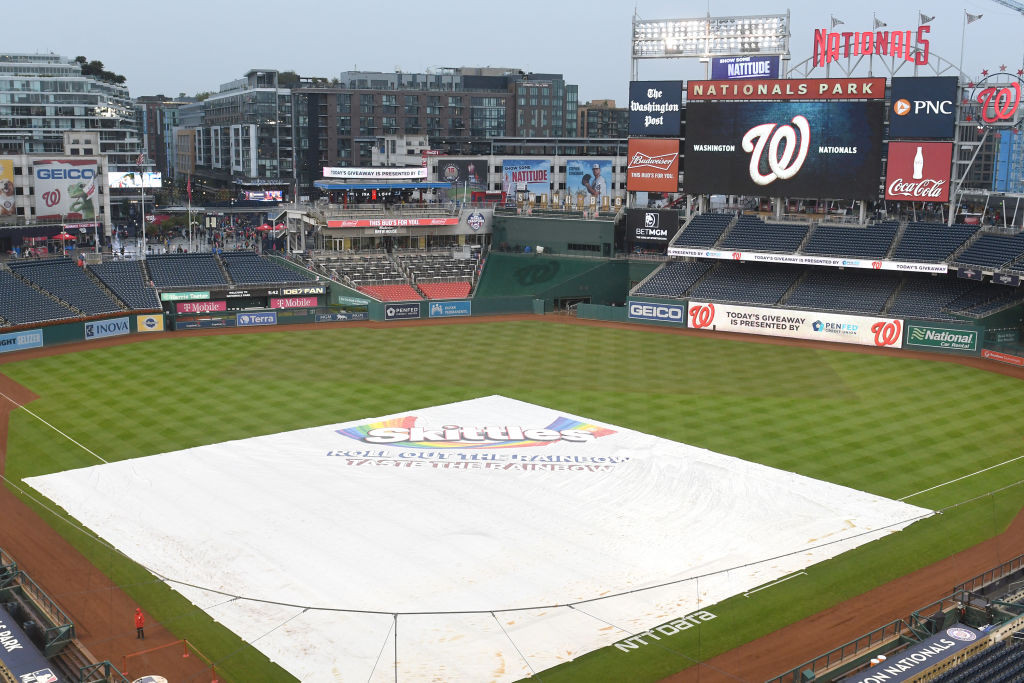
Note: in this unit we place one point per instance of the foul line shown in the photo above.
(84, 448)
(773, 583)
(953, 481)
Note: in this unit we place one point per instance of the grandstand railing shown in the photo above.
(991, 576)
(59, 630)
(847, 652)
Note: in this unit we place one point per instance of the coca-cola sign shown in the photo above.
(653, 165)
(918, 171)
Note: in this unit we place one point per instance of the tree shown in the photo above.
(96, 69)
(287, 79)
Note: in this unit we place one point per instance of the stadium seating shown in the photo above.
(185, 270)
(871, 242)
(984, 298)
(64, 279)
(746, 283)
(126, 280)
(445, 290)
(1001, 662)
(830, 289)
(674, 278)
(401, 292)
(752, 234)
(928, 296)
(992, 251)
(931, 242)
(426, 267)
(248, 268)
(21, 304)
(703, 230)
(357, 271)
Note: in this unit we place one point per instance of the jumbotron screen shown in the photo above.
(828, 150)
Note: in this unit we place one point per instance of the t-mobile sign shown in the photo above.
(918, 171)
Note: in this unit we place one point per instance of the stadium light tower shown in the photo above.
(707, 37)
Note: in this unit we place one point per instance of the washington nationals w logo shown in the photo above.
(886, 333)
(782, 167)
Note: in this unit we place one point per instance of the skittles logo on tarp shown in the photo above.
(404, 433)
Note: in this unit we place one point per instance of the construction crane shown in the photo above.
(1016, 6)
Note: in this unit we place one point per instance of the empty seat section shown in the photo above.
(445, 290)
(391, 292)
(703, 230)
(68, 282)
(871, 242)
(674, 278)
(128, 283)
(993, 251)
(21, 303)
(927, 296)
(248, 268)
(843, 290)
(752, 234)
(931, 242)
(185, 270)
(746, 283)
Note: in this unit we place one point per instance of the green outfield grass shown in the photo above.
(891, 426)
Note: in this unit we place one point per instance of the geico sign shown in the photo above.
(65, 173)
(656, 312)
(903, 107)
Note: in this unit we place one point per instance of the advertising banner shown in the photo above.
(97, 329)
(955, 338)
(376, 173)
(800, 259)
(1007, 358)
(204, 324)
(788, 89)
(450, 309)
(830, 150)
(918, 171)
(391, 222)
(149, 323)
(401, 311)
(264, 196)
(341, 317)
(655, 108)
(670, 313)
(22, 662)
(202, 306)
(923, 107)
(133, 180)
(1007, 279)
(7, 207)
(471, 171)
(653, 166)
(184, 296)
(526, 175)
(589, 179)
(298, 291)
(916, 658)
(258, 318)
(651, 228)
(778, 322)
(65, 188)
(744, 68)
(294, 302)
(26, 339)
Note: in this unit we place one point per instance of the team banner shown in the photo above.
(744, 68)
(653, 166)
(471, 171)
(651, 228)
(827, 150)
(589, 179)
(794, 324)
(15, 341)
(918, 171)
(800, 259)
(655, 108)
(7, 187)
(787, 89)
(917, 658)
(376, 173)
(923, 107)
(526, 175)
(65, 188)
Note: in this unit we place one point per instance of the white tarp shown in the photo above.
(484, 505)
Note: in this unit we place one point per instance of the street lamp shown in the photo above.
(142, 202)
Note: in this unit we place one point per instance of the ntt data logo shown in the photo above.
(404, 433)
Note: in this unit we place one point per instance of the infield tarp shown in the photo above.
(484, 505)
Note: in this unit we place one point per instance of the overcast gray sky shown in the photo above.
(191, 46)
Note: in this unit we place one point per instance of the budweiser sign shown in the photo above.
(653, 165)
(918, 171)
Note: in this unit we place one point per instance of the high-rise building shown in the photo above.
(602, 119)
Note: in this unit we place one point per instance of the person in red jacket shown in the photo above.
(140, 621)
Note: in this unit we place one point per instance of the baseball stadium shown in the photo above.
(752, 418)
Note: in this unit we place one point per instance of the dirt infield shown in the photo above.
(102, 612)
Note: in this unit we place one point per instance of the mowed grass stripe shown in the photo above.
(887, 425)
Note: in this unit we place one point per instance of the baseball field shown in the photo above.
(925, 431)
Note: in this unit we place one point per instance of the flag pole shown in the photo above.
(963, 36)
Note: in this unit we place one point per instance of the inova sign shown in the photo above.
(106, 328)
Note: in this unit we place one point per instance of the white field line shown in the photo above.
(953, 481)
(773, 583)
(84, 448)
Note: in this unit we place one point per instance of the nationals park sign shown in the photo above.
(795, 324)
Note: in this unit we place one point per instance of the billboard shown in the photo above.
(376, 173)
(106, 328)
(918, 171)
(133, 180)
(923, 107)
(590, 179)
(526, 175)
(471, 171)
(743, 68)
(644, 310)
(450, 309)
(26, 339)
(65, 187)
(7, 207)
(149, 323)
(257, 318)
(779, 322)
(401, 311)
(784, 149)
(810, 260)
(953, 338)
(201, 306)
(655, 108)
(263, 196)
(788, 89)
(653, 166)
(294, 302)
(651, 229)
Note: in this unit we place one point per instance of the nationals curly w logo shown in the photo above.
(886, 333)
(999, 105)
(786, 165)
(702, 316)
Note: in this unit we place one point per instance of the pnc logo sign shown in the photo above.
(902, 107)
(783, 166)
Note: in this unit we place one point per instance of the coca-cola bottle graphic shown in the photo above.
(919, 164)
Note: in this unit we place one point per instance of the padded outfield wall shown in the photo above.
(573, 236)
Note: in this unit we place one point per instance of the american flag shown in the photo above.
(141, 160)
(188, 188)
